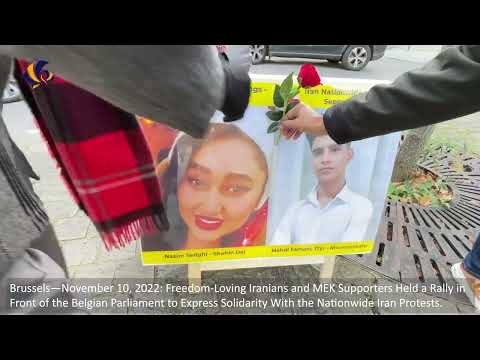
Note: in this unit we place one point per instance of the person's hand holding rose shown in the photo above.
(302, 118)
(294, 117)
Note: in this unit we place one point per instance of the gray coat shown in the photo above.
(22, 218)
(28, 247)
(179, 85)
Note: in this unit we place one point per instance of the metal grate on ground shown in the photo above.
(416, 244)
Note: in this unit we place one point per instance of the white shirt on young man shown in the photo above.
(344, 218)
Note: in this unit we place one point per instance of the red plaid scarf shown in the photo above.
(103, 157)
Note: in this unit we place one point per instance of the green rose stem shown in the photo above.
(294, 93)
(278, 134)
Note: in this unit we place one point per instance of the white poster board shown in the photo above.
(221, 231)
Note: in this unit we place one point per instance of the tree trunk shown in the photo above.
(409, 153)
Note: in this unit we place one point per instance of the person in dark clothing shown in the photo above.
(181, 86)
(445, 88)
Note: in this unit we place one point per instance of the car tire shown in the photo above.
(11, 93)
(258, 53)
(356, 57)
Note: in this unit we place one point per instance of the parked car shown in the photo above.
(352, 57)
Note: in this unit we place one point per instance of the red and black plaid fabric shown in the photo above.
(103, 158)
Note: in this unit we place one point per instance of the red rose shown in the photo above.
(308, 76)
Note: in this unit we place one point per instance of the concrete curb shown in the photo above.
(413, 53)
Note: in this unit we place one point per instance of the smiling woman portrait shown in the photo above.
(216, 191)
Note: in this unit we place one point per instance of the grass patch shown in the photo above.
(461, 135)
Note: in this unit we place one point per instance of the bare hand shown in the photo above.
(302, 118)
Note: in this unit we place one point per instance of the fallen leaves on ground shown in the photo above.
(424, 189)
(425, 200)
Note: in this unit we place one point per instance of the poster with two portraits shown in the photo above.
(237, 195)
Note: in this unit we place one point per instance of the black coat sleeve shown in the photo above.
(445, 88)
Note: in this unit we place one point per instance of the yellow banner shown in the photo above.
(322, 96)
(236, 253)
(261, 94)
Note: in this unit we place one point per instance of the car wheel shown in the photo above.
(356, 57)
(11, 93)
(258, 53)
